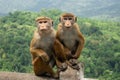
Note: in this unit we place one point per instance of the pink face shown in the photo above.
(44, 25)
(67, 21)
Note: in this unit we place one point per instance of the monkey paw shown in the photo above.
(76, 67)
(74, 64)
(45, 58)
(63, 67)
(56, 76)
(73, 61)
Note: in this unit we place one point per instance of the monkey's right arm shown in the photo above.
(81, 42)
(38, 53)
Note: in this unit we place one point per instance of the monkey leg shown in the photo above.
(73, 63)
(37, 66)
(59, 51)
(62, 66)
(59, 56)
(41, 68)
(68, 53)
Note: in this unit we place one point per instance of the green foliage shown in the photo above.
(101, 53)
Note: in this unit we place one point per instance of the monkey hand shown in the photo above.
(73, 61)
(74, 64)
(62, 67)
(45, 57)
(69, 54)
(75, 56)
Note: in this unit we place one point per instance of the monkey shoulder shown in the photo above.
(53, 32)
(60, 25)
(36, 35)
(59, 28)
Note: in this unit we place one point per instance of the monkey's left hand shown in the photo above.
(62, 67)
(74, 64)
(45, 57)
(68, 53)
(75, 56)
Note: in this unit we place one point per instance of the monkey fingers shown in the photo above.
(75, 56)
(33, 62)
(76, 67)
(56, 76)
(74, 64)
(73, 61)
(45, 58)
(68, 53)
(62, 67)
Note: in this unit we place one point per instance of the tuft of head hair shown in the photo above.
(42, 18)
(67, 15)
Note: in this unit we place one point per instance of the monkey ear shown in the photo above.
(75, 19)
(60, 19)
(52, 22)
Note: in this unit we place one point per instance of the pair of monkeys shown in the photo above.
(61, 48)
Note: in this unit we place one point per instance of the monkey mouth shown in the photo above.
(44, 30)
(68, 27)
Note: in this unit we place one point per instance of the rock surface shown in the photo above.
(69, 74)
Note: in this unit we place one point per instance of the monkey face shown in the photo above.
(44, 25)
(68, 20)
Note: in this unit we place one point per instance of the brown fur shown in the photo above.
(69, 35)
(42, 48)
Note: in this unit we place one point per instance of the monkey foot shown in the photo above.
(74, 64)
(56, 76)
(63, 67)
(76, 67)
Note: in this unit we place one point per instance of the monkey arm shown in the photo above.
(80, 45)
(58, 47)
(59, 50)
(60, 56)
(39, 53)
(34, 50)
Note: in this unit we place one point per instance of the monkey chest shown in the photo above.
(70, 43)
(69, 40)
(46, 44)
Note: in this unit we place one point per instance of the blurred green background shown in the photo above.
(99, 22)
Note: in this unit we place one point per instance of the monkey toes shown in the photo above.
(63, 67)
(74, 64)
(73, 61)
(76, 67)
(56, 76)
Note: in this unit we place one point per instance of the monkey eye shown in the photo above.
(45, 21)
(70, 18)
(65, 18)
(40, 22)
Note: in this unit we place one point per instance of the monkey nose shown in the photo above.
(42, 28)
(67, 24)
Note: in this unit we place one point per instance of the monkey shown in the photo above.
(69, 35)
(42, 48)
